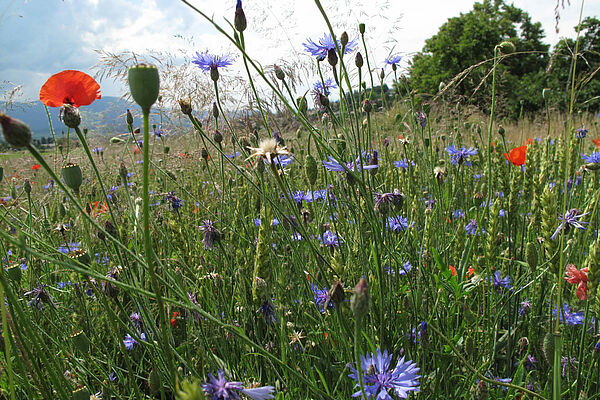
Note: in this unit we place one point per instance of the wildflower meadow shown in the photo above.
(353, 243)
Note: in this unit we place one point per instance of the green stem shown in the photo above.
(7, 353)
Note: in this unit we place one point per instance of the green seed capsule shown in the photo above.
(144, 83)
(72, 176)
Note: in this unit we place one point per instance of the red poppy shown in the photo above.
(176, 316)
(579, 278)
(452, 270)
(470, 271)
(596, 142)
(529, 141)
(96, 208)
(35, 167)
(70, 87)
(517, 155)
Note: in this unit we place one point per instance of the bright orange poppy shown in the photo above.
(97, 208)
(517, 155)
(35, 167)
(70, 87)
(452, 270)
(597, 142)
(529, 141)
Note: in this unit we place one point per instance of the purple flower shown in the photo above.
(499, 282)
(282, 160)
(219, 388)
(570, 219)
(136, 319)
(458, 214)
(567, 362)
(129, 341)
(593, 158)
(268, 312)
(330, 239)
(211, 234)
(175, 203)
(318, 87)
(529, 362)
(68, 247)
(321, 297)
(404, 164)
(581, 132)
(460, 156)
(422, 119)
(471, 227)
(393, 60)
(233, 155)
(335, 165)
(570, 318)
(39, 296)
(525, 307)
(325, 44)
(206, 62)
(379, 379)
(383, 201)
(398, 224)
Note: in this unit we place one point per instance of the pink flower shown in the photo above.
(580, 278)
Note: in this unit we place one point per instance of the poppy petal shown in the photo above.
(597, 142)
(517, 156)
(70, 87)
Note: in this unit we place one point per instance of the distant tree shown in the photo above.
(465, 41)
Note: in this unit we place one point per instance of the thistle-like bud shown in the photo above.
(215, 110)
(204, 154)
(358, 60)
(239, 20)
(72, 176)
(344, 38)
(70, 116)
(27, 186)
(332, 57)
(359, 303)
(186, 106)
(279, 74)
(382, 74)
(144, 84)
(16, 132)
(323, 100)
(123, 172)
(129, 118)
(310, 169)
(501, 131)
(217, 137)
(361, 28)
(367, 106)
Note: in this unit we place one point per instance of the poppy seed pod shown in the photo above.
(144, 84)
(239, 20)
(72, 176)
(81, 341)
(16, 132)
(80, 256)
(358, 60)
(70, 116)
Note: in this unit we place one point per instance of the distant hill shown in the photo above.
(102, 117)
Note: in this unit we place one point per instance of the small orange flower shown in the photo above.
(529, 141)
(70, 87)
(517, 155)
(35, 167)
(470, 271)
(452, 270)
(579, 278)
(596, 142)
(176, 316)
(97, 208)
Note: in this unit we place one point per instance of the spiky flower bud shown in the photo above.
(217, 137)
(144, 84)
(123, 172)
(279, 74)
(204, 154)
(186, 106)
(72, 176)
(323, 100)
(27, 186)
(367, 106)
(70, 116)
(358, 60)
(501, 131)
(129, 118)
(310, 169)
(215, 110)
(359, 303)
(16, 132)
(239, 20)
(382, 74)
(344, 38)
(332, 57)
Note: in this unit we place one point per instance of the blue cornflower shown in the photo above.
(330, 239)
(40, 296)
(207, 62)
(335, 165)
(593, 158)
(219, 388)
(233, 155)
(268, 312)
(404, 164)
(581, 132)
(321, 297)
(384, 201)
(460, 156)
(498, 281)
(393, 60)
(211, 234)
(282, 160)
(570, 318)
(471, 227)
(318, 87)
(136, 319)
(175, 203)
(379, 379)
(397, 224)
(570, 219)
(68, 247)
(525, 307)
(97, 150)
(129, 342)
(325, 44)
(422, 119)
(458, 214)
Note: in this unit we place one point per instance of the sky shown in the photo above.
(41, 37)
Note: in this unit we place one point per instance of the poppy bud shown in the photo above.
(144, 84)
(154, 382)
(507, 47)
(13, 190)
(279, 73)
(359, 303)
(16, 133)
(239, 20)
(166, 149)
(336, 293)
(70, 116)
(310, 169)
(523, 344)
(62, 211)
(358, 60)
(344, 38)
(215, 110)
(116, 140)
(72, 176)
(548, 347)
(332, 57)
(361, 28)
(81, 341)
(531, 256)
(302, 105)
(27, 186)
(481, 391)
(217, 137)
(129, 118)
